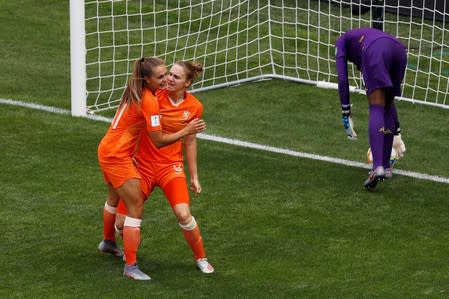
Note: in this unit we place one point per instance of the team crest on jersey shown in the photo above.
(185, 115)
(177, 168)
(155, 120)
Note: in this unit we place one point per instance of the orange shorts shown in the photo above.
(169, 177)
(117, 171)
(161, 174)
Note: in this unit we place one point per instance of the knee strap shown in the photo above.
(189, 226)
(109, 208)
(132, 222)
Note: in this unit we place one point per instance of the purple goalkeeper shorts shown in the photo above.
(384, 64)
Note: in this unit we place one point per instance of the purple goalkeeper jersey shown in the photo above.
(380, 57)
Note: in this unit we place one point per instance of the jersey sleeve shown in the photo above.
(150, 110)
(342, 72)
(198, 108)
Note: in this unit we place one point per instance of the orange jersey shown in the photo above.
(173, 118)
(129, 122)
(164, 166)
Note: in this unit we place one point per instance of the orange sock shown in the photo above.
(131, 239)
(108, 222)
(194, 239)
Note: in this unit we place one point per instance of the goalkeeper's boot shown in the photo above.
(135, 273)
(389, 170)
(108, 246)
(204, 266)
(375, 176)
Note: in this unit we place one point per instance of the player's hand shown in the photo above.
(196, 126)
(399, 146)
(348, 125)
(195, 186)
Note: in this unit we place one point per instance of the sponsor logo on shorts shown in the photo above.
(177, 168)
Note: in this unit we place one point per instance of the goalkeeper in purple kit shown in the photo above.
(382, 59)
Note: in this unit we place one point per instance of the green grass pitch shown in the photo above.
(274, 226)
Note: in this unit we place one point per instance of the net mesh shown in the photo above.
(238, 41)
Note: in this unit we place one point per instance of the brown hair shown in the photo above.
(192, 70)
(143, 67)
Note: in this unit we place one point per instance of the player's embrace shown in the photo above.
(382, 59)
(164, 167)
(137, 114)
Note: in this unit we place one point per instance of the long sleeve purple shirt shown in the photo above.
(350, 47)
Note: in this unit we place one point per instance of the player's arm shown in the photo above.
(195, 126)
(191, 157)
(343, 92)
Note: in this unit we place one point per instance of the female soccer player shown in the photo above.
(381, 58)
(138, 112)
(164, 167)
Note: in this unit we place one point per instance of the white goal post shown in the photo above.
(238, 41)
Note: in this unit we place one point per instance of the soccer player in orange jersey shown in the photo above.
(164, 167)
(137, 114)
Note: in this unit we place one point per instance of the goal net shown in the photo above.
(238, 41)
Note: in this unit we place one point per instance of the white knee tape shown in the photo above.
(109, 208)
(132, 222)
(189, 226)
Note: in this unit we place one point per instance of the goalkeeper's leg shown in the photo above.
(394, 115)
(388, 139)
(376, 130)
(376, 134)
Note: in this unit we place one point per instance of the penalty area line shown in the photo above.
(245, 144)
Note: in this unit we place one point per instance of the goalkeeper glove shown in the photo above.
(399, 145)
(348, 125)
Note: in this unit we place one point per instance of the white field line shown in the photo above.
(245, 144)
